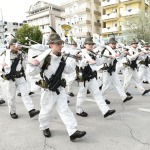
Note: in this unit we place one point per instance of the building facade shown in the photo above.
(44, 14)
(8, 28)
(114, 13)
(83, 16)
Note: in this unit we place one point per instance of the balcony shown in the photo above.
(83, 22)
(65, 14)
(130, 12)
(96, 12)
(109, 29)
(97, 2)
(110, 16)
(147, 2)
(97, 24)
(129, 1)
(109, 3)
(82, 10)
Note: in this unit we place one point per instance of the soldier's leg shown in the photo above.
(11, 94)
(94, 88)
(137, 82)
(141, 73)
(118, 86)
(107, 80)
(81, 96)
(128, 74)
(47, 102)
(65, 113)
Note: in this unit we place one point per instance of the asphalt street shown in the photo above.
(127, 129)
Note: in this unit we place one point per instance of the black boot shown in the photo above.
(83, 114)
(77, 134)
(47, 133)
(107, 101)
(2, 101)
(71, 94)
(128, 94)
(109, 112)
(100, 88)
(19, 94)
(128, 99)
(33, 113)
(146, 91)
(14, 115)
(30, 93)
(88, 92)
(146, 82)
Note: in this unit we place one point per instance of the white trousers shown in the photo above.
(21, 84)
(70, 78)
(144, 73)
(129, 75)
(112, 79)
(48, 101)
(92, 85)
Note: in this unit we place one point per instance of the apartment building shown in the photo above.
(7, 28)
(44, 14)
(114, 13)
(83, 16)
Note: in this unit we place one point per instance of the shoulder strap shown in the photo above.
(47, 62)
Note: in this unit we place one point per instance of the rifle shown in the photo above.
(112, 68)
(10, 76)
(55, 81)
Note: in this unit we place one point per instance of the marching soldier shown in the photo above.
(87, 75)
(13, 71)
(53, 87)
(144, 70)
(130, 72)
(109, 71)
(70, 78)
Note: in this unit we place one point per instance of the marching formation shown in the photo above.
(54, 68)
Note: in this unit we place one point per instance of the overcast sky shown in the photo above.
(15, 10)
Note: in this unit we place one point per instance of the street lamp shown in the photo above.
(3, 36)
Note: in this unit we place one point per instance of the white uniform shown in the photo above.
(50, 99)
(130, 74)
(19, 83)
(144, 70)
(70, 78)
(93, 86)
(112, 78)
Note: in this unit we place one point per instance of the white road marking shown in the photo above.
(90, 100)
(143, 109)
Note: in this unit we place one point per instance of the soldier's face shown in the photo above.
(88, 46)
(57, 47)
(134, 45)
(14, 47)
(112, 45)
(146, 47)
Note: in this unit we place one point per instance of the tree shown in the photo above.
(138, 27)
(32, 32)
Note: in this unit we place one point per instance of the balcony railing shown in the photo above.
(110, 2)
(83, 22)
(109, 16)
(130, 1)
(130, 12)
(109, 29)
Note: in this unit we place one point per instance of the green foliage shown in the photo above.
(32, 32)
(138, 27)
